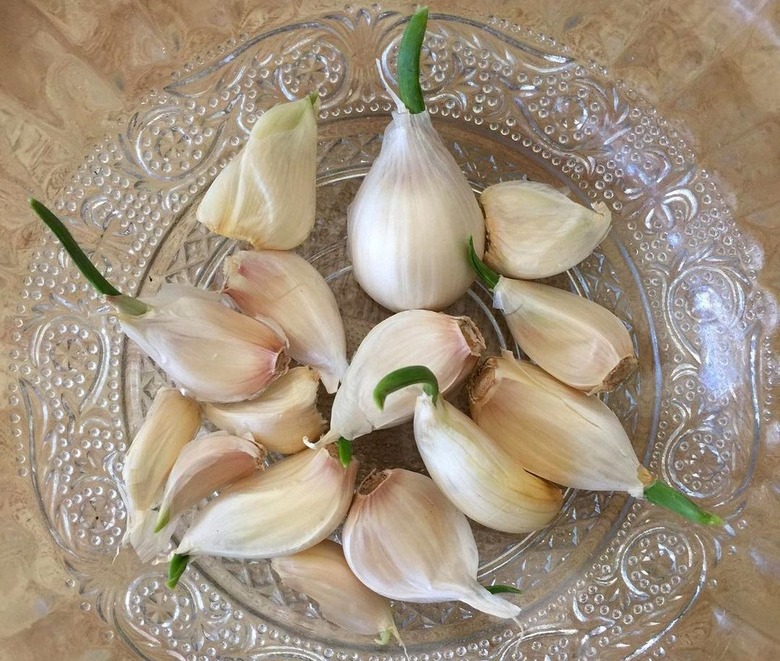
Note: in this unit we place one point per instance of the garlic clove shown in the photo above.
(576, 340)
(291, 506)
(448, 346)
(205, 465)
(322, 573)
(403, 539)
(487, 484)
(555, 431)
(266, 193)
(472, 471)
(212, 352)
(286, 288)
(170, 424)
(280, 418)
(534, 231)
(563, 435)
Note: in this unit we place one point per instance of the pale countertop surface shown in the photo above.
(71, 68)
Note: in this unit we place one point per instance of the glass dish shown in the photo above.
(612, 577)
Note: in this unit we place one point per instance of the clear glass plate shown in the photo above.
(612, 577)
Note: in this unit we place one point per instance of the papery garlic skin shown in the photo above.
(576, 340)
(534, 231)
(266, 194)
(170, 424)
(280, 418)
(291, 506)
(483, 481)
(555, 431)
(205, 465)
(289, 290)
(448, 346)
(405, 540)
(411, 218)
(213, 353)
(322, 573)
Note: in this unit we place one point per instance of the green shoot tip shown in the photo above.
(403, 378)
(176, 568)
(162, 520)
(485, 273)
(498, 589)
(344, 446)
(669, 498)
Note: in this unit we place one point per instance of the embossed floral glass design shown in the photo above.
(612, 577)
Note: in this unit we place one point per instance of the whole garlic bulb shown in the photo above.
(534, 231)
(405, 540)
(414, 211)
(410, 220)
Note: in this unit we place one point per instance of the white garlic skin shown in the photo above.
(322, 573)
(534, 231)
(405, 540)
(448, 346)
(487, 484)
(411, 219)
(266, 194)
(289, 290)
(291, 506)
(555, 431)
(280, 418)
(579, 342)
(213, 353)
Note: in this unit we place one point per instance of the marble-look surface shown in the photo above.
(71, 68)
